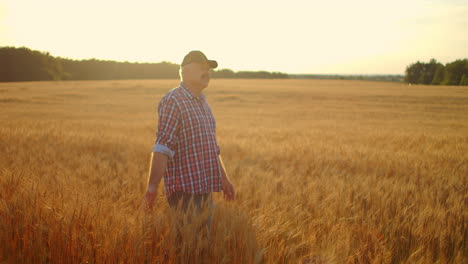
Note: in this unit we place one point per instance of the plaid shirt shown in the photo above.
(187, 135)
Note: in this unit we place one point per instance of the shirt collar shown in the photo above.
(190, 94)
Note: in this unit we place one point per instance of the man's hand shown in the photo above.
(158, 165)
(150, 195)
(228, 189)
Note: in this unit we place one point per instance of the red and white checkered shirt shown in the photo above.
(187, 135)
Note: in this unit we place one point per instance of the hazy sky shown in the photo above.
(293, 36)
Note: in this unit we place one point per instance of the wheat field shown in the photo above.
(325, 171)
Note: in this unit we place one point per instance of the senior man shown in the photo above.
(186, 152)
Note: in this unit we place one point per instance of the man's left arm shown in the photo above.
(228, 188)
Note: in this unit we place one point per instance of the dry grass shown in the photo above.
(326, 172)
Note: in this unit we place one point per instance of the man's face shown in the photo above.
(197, 75)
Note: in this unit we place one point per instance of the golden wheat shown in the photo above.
(325, 171)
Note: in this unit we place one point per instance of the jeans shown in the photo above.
(192, 204)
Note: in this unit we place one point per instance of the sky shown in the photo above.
(293, 36)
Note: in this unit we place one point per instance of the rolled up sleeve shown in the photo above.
(168, 123)
(164, 150)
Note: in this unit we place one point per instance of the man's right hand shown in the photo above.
(149, 199)
(157, 168)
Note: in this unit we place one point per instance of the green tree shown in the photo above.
(464, 80)
(439, 75)
(23, 64)
(429, 70)
(414, 72)
(224, 73)
(454, 72)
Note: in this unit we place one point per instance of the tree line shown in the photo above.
(358, 77)
(453, 73)
(24, 64)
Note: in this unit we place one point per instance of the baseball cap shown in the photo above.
(198, 56)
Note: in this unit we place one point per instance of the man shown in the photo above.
(186, 152)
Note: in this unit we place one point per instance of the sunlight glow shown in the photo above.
(290, 36)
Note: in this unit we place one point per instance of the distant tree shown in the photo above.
(454, 72)
(422, 73)
(429, 70)
(438, 75)
(413, 73)
(279, 75)
(260, 75)
(23, 64)
(224, 73)
(228, 73)
(464, 80)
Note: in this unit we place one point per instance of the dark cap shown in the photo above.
(198, 56)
